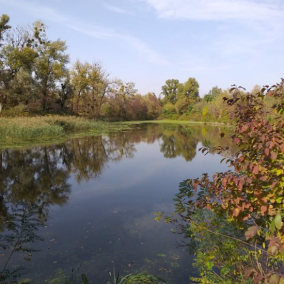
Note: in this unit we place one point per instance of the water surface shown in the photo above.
(98, 197)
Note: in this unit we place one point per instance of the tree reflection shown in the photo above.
(33, 180)
(20, 230)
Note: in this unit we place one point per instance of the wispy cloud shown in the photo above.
(264, 17)
(91, 30)
(40, 11)
(129, 40)
(249, 26)
(116, 9)
(218, 9)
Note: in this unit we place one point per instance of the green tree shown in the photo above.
(188, 94)
(50, 69)
(212, 94)
(80, 80)
(17, 59)
(170, 91)
(4, 20)
(98, 85)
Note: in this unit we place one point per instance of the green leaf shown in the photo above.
(272, 227)
(278, 221)
(85, 279)
(209, 264)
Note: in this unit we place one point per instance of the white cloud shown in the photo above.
(116, 9)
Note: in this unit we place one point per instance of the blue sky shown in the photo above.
(218, 42)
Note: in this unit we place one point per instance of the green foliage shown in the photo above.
(170, 91)
(4, 20)
(212, 94)
(23, 128)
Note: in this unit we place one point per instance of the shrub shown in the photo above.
(249, 200)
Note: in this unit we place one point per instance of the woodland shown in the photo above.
(37, 78)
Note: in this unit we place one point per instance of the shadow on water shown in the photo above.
(36, 180)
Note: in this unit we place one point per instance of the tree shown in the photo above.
(212, 94)
(153, 106)
(4, 20)
(50, 69)
(119, 97)
(80, 80)
(170, 90)
(17, 59)
(188, 94)
(98, 84)
(191, 89)
(66, 92)
(243, 207)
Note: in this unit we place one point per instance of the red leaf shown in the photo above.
(236, 212)
(237, 140)
(266, 151)
(255, 170)
(241, 184)
(263, 209)
(251, 232)
(273, 155)
(244, 128)
(224, 181)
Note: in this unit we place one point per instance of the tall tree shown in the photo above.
(4, 20)
(80, 80)
(17, 59)
(170, 91)
(212, 94)
(50, 69)
(98, 84)
(188, 94)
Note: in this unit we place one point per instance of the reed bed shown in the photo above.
(42, 127)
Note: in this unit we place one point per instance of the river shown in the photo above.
(89, 204)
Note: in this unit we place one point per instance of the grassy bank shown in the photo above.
(170, 121)
(17, 131)
(23, 130)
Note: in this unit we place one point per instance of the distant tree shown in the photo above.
(4, 20)
(66, 91)
(188, 94)
(50, 69)
(137, 109)
(212, 94)
(191, 89)
(16, 68)
(119, 97)
(80, 80)
(153, 106)
(98, 84)
(170, 91)
(256, 89)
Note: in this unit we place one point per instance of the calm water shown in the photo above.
(98, 197)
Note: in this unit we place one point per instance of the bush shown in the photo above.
(247, 201)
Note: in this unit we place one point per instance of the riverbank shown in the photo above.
(20, 131)
(171, 121)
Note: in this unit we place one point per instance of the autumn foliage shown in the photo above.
(251, 193)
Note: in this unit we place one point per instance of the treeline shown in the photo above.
(35, 78)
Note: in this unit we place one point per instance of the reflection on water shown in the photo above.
(93, 200)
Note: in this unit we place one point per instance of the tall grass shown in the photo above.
(26, 128)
